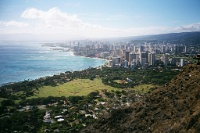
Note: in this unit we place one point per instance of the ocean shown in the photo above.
(29, 61)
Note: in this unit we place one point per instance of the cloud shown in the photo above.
(188, 28)
(32, 13)
(13, 23)
(55, 23)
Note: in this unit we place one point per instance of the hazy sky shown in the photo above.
(66, 19)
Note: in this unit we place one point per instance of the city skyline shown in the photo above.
(64, 20)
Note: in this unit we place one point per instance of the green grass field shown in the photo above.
(120, 81)
(80, 87)
(144, 88)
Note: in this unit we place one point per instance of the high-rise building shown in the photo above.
(141, 49)
(117, 52)
(165, 59)
(173, 61)
(110, 63)
(134, 48)
(135, 58)
(133, 65)
(182, 63)
(121, 54)
(151, 59)
(127, 56)
(185, 50)
(143, 62)
(144, 55)
(116, 61)
(173, 49)
(163, 49)
(132, 56)
(126, 64)
(180, 49)
(111, 47)
(143, 58)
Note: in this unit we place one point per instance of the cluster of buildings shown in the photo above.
(132, 55)
(148, 55)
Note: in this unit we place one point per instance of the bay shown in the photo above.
(23, 61)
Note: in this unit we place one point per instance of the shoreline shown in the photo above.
(70, 50)
(51, 75)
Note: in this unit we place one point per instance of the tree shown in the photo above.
(7, 103)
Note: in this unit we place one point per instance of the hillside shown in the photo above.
(174, 107)
(185, 38)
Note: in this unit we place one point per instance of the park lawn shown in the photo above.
(77, 87)
(143, 88)
(120, 81)
(81, 87)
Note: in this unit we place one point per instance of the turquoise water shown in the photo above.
(25, 61)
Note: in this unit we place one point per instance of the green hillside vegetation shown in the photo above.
(1, 99)
(79, 97)
(172, 108)
(80, 83)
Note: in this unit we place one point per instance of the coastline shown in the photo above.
(95, 58)
(51, 75)
(70, 50)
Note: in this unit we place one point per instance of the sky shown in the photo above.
(79, 19)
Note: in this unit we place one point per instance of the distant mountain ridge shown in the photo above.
(176, 38)
(183, 38)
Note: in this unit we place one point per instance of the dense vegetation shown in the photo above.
(150, 76)
(18, 108)
(21, 90)
(171, 108)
